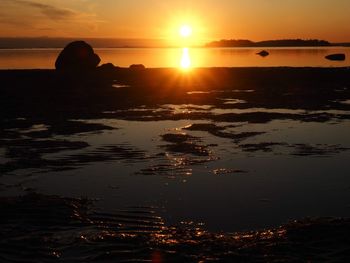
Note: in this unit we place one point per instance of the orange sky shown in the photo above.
(210, 19)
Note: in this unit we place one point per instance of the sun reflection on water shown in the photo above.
(185, 62)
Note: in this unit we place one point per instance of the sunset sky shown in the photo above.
(210, 19)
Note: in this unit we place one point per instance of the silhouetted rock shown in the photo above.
(106, 73)
(336, 57)
(137, 66)
(263, 53)
(108, 67)
(77, 56)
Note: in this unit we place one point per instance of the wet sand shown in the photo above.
(50, 229)
(261, 95)
(283, 88)
(47, 120)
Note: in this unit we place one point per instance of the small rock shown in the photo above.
(137, 66)
(108, 67)
(336, 57)
(263, 53)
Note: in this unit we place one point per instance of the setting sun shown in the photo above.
(185, 31)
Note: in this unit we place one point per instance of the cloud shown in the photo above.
(52, 12)
(29, 17)
(8, 21)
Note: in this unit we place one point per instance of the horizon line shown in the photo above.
(163, 39)
(26, 42)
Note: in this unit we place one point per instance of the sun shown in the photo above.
(185, 31)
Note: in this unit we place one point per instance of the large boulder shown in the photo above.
(77, 56)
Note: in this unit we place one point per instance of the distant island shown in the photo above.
(270, 43)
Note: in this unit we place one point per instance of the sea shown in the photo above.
(176, 57)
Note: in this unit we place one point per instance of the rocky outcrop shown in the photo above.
(77, 56)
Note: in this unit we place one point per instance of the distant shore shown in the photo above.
(45, 42)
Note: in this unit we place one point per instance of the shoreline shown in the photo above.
(208, 78)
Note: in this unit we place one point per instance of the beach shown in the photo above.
(208, 164)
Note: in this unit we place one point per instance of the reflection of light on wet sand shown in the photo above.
(120, 86)
(185, 59)
(219, 91)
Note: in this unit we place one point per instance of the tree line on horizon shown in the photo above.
(269, 43)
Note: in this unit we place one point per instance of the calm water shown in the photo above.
(175, 57)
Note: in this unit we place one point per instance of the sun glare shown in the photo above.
(185, 31)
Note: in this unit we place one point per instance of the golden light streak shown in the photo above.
(185, 63)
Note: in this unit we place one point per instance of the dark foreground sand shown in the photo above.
(40, 228)
(43, 92)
